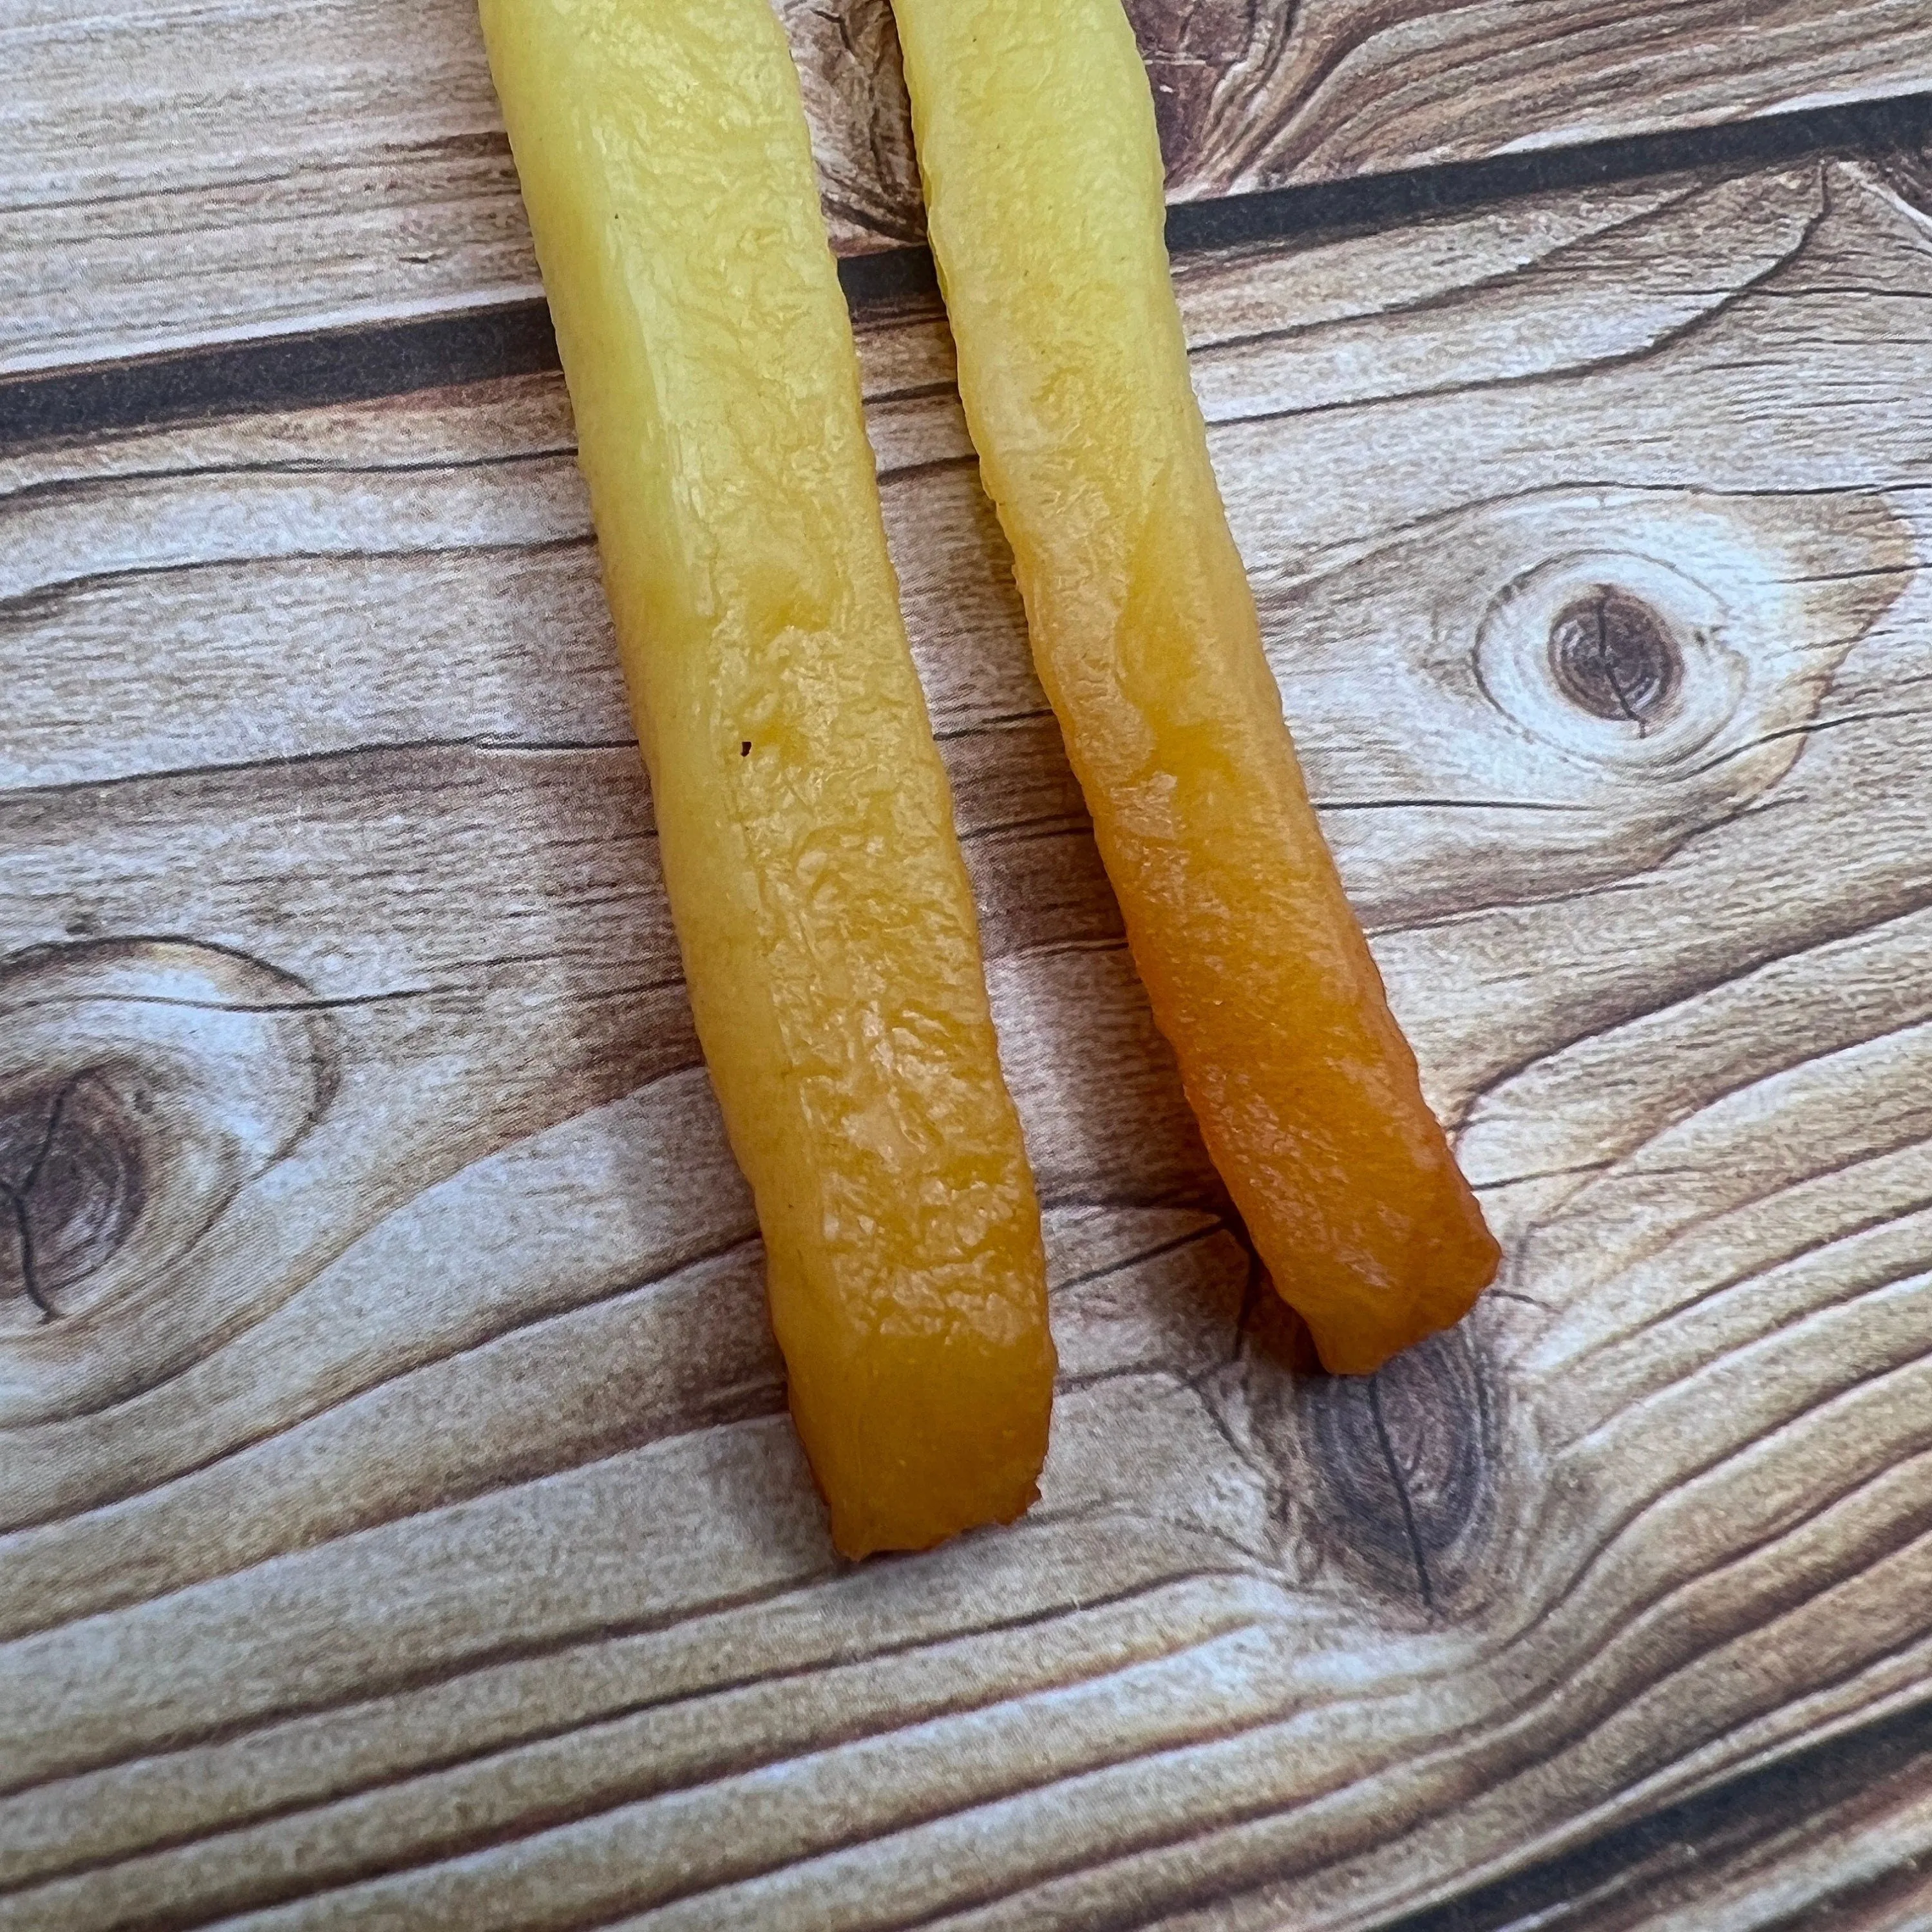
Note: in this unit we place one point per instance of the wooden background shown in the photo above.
(401, 1525)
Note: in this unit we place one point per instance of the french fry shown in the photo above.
(827, 926)
(1035, 130)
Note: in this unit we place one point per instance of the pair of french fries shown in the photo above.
(820, 900)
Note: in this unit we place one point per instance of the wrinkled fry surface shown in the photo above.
(1036, 135)
(824, 910)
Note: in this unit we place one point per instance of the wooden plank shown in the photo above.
(175, 174)
(400, 1524)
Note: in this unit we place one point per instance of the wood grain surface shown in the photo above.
(174, 173)
(401, 1525)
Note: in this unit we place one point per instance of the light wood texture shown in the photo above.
(402, 1527)
(174, 174)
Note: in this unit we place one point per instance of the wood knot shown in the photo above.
(1530, 697)
(1624, 661)
(1207, 61)
(71, 1189)
(144, 1083)
(1403, 1465)
(1613, 655)
(849, 68)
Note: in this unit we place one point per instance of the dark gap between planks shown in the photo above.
(364, 362)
